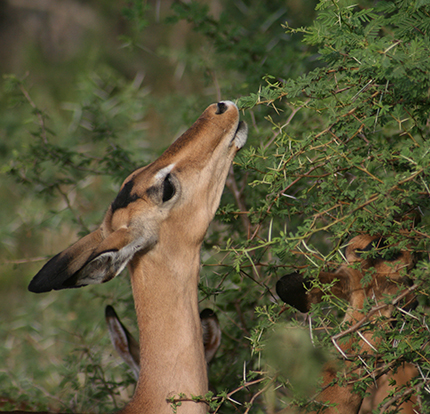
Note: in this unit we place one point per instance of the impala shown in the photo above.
(156, 226)
(387, 277)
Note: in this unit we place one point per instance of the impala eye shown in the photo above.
(168, 188)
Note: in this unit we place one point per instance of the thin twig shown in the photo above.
(374, 310)
(231, 184)
(38, 112)
(257, 394)
(23, 261)
(69, 206)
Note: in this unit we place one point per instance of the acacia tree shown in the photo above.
(338, 147)
(351, 156)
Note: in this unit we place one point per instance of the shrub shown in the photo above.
(338, 146)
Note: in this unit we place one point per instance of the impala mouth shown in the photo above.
(240, 135)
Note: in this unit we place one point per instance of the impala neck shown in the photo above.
(172, 359)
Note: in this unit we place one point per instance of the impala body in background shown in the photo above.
(156, 226)
(388, 277)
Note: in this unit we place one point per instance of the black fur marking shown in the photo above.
(124, 197)
(379, 244)
(382, 250)
(54, 275)
(207, 313)
(221, 108)
(110, 312)
(292, 290)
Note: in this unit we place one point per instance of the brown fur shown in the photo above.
(155, 227)
(388, 278)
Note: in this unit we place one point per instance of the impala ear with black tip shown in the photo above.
(94, 259)
(292, 289)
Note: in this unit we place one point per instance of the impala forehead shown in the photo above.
(384, 263)
(137, 184)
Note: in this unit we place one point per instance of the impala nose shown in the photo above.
(221, 108)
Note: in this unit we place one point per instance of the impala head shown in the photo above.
(364, 253)
(175, 196)
(386, 269)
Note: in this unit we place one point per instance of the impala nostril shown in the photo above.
(221, 108)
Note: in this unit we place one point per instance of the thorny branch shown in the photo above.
(38, 112)
(245, 385)
(227, 397)
(366, 318)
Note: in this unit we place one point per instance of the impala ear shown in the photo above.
(123, 342)
(91, 260)
(292, 289)
(211, 333)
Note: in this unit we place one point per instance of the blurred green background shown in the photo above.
(93, 89)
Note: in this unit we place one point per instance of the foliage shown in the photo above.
(338, 147)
